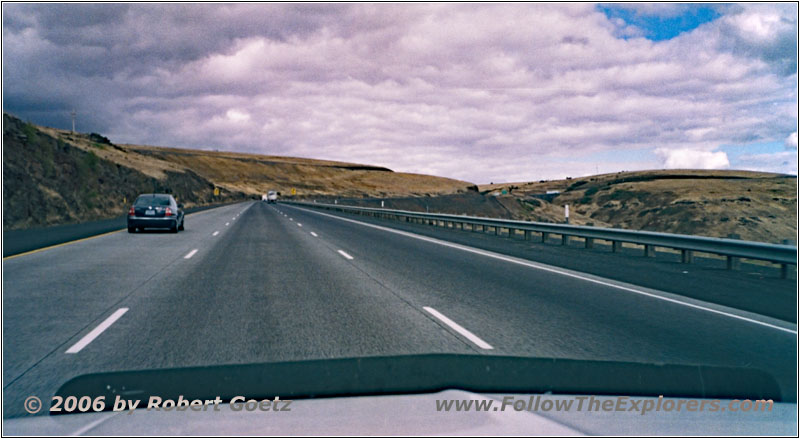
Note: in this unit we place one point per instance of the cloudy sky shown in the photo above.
(479, 92)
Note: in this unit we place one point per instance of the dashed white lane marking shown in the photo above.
(227, 224)
(88, 338)
(342, 252)
(458, 328)
(215, 233)
(313, 234)
(190, 254)
(299, 225)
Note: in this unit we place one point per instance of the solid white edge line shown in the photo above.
(313, 234)
(93, 424)
(88, 338)
(458, 328)
(544, 267)
(342, 252)
(190, 254)
(215, 233)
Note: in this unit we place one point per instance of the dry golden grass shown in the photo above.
(757, 206)
(146, 165)
(257, 174)
(754, 205)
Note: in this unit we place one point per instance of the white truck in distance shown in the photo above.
(270, 197)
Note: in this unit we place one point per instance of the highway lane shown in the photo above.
(755, 288)
(52, 296)
(524, 311)
(246, 283)
(263, 290)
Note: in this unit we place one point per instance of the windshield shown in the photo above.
(580, 199)
(153, 200)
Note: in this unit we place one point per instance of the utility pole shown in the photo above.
(73, 113)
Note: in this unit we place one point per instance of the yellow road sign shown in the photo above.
(216, 191)
(294, 191)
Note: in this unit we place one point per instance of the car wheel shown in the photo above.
(131, 229)
(181, 226)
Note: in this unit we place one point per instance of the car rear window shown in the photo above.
(152, 201)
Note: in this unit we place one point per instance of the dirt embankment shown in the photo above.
(756, 206)
(50, 180)
(53, 176)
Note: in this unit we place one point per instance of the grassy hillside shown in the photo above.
(64, 179)
(53, 176)
(756, 206)
(257, 174)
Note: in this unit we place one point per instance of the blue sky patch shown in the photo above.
(657, 27)
(735, 151)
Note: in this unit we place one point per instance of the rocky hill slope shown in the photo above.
(54, 176)
(755, 206)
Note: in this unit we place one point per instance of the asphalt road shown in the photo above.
(20, 241)
(253, 282)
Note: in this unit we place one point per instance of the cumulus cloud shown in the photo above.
(473, 91)
(686, 158)
(791, 141)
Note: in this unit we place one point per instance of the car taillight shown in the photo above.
(131, 212)
(168, 212)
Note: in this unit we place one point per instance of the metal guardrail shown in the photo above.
(733, 249)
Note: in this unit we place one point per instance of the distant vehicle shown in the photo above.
(272, 197)
(155, 211)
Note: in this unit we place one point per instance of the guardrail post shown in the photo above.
(649, 251)
(588, 242)
(615, 246)
(496, 230)
(784, 271)
(564, 239)
(544, 236)
(527, 235)
(686, 256)
(732, 263)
